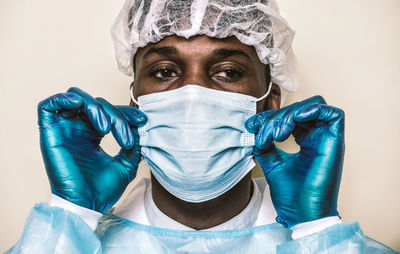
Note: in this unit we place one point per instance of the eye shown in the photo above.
(164, 73)
(228, 74)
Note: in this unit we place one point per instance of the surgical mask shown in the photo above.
(195, 142)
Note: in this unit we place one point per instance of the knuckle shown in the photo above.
(102, 102)
(257, 119)
(43, 104)
(340, 113)
(72, 89)
(319, 99)
(335, 110)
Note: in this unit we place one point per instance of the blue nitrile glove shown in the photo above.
(304, 186)
(71, 127)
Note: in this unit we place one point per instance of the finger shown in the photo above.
(254, 123)
(318, 99)
(120, 128)
(277, 125)
(48, 107)
(94, 111)
(287, 122)
(135, 117)
(324, 113)
(264, 138)
(319, 112)
(284, 127)
(130, 158)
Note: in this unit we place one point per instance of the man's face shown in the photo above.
(221, 64)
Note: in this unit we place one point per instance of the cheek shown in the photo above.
(253, 85)
(260, 83)
(138, 90)
(141, 87)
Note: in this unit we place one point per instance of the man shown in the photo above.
(202, 72)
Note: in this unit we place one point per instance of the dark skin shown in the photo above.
(221, 64)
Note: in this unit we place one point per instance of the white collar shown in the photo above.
(139, 206)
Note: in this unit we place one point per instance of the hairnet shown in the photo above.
(253, 22)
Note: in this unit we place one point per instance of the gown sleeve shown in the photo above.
(51, 229)
(340, 238)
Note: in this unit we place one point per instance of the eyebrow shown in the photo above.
(162, 51)
(225, 53)
(220, 53)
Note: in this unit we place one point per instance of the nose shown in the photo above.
(196, 75)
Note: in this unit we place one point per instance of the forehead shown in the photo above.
(200, 45)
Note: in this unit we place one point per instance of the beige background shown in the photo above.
(348, 52)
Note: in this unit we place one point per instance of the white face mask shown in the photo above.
(195, 141)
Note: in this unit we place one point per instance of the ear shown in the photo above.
(274, 98)
(130, 101)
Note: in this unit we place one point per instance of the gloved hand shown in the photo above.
(304, 186)
(71, 127)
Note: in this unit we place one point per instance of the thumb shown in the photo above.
(254, 123)
(271, 159)
(135, 117)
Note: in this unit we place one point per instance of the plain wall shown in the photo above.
(348, 52)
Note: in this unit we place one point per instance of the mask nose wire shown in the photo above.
(133, 97)
(266, 94)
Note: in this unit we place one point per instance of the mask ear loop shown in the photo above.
(266, 94)
(133, 97)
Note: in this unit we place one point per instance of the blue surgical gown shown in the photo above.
(55, 230)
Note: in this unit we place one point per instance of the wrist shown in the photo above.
(91, 217)
(293, 219)
(311, 227)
